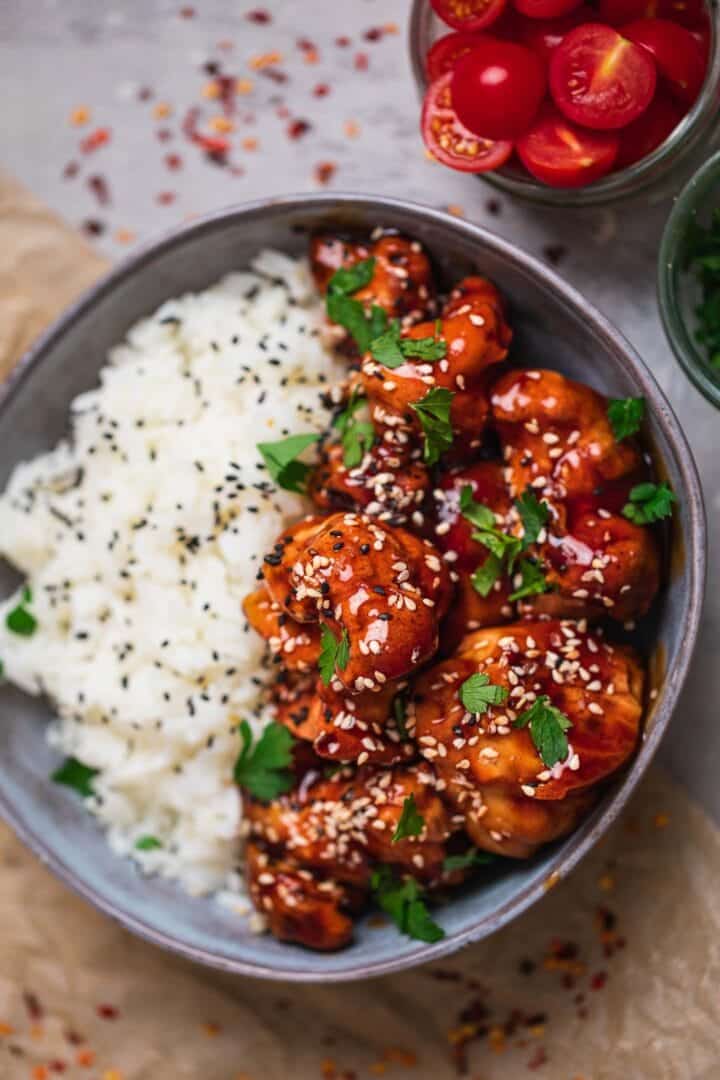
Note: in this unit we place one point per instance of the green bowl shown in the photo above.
(678, 288)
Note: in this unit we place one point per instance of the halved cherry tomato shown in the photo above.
(545, 9)
(685, 12)
(497, 88)
(544, 35)
(468, 14)
(600, 79)
(449, 141)
(562, 155)
(677, 54)
(446, 52)
(649, 131)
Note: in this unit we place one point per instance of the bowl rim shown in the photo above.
(584, 838)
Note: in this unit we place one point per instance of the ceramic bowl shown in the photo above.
(555, 326)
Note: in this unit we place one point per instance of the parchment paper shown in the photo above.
(615, 975)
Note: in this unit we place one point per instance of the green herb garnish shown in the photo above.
(410, 823)
(334, 654)
(434, 413)
(476, 513)
(73, 774)
(472, 857)
(147, 843)
(625, 416)
(477, 694)
(533, 581)
(356, 436)
(342, 309)
(484, 577)
(282, 464)
(547, 730)
(263, 769)
(392, 350)
(534, 514)
(20, 620)
(399, 708)
(402, 901)
(649, 502)
(348, 279)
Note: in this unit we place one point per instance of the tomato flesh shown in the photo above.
(545, 9)
(600, 79)
(449, 141)
(468, 14)
(649, 131)
(676, 52)
(446, 52)
(561, 154)
(497, 88)
(544, 35)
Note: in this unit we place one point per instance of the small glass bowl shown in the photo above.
(656, 176)
(678, 289)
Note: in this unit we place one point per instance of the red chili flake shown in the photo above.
(187, 13)
(173, 161)
(107, 1012)
(361, 61)
(99, 187)
(215, 146)
(164, 134)
(321, 90)
(343, 42)
(57, 1066)
(259, 15)
(165, 198)
(539, 1058)
(282, 112)
(95, 140)
(227, 88)
(145, 93)
(598, 980)
(33, 1006)
(275, 74)
(297, 128)
(237, 170)
(375, 33)
(305, 45)
(74, 1038)
(71, 169)
(324, 171)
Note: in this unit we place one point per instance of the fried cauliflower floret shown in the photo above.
(402, 282)
(379, 590)
(493, 769)
(477, 339)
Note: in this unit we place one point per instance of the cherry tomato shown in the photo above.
(649, 131)
(449, 141)
(497, 88)
(678, 56)
(545, 9)
(544, 35)
(446, 52)
(468, 14)
(562, 155)
(600, 79)
(686, 12)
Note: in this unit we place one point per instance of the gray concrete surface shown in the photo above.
(58, 55)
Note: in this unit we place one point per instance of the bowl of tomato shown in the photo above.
(565, 103)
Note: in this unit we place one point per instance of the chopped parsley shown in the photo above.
(356, 436)
(410, 823)
(20, 620)
(334, 654)
(532, 580)
(476, 513)
(649, 502)
(534, 514)
(399, 708)
(147, 843)
(472, 857)
(349, 313)
(477, 694)
(434, 414)
(503, 548)
(73, 774)
(282, 464)
(625, 416)
(547, 730)
(263, 769)
(703, 256)
(391, 349)
(484, 577)
(402, 901)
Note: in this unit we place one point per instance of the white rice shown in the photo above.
(141, 642)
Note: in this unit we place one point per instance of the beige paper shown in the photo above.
(615, 975)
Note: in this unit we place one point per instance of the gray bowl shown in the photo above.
(554, 326)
